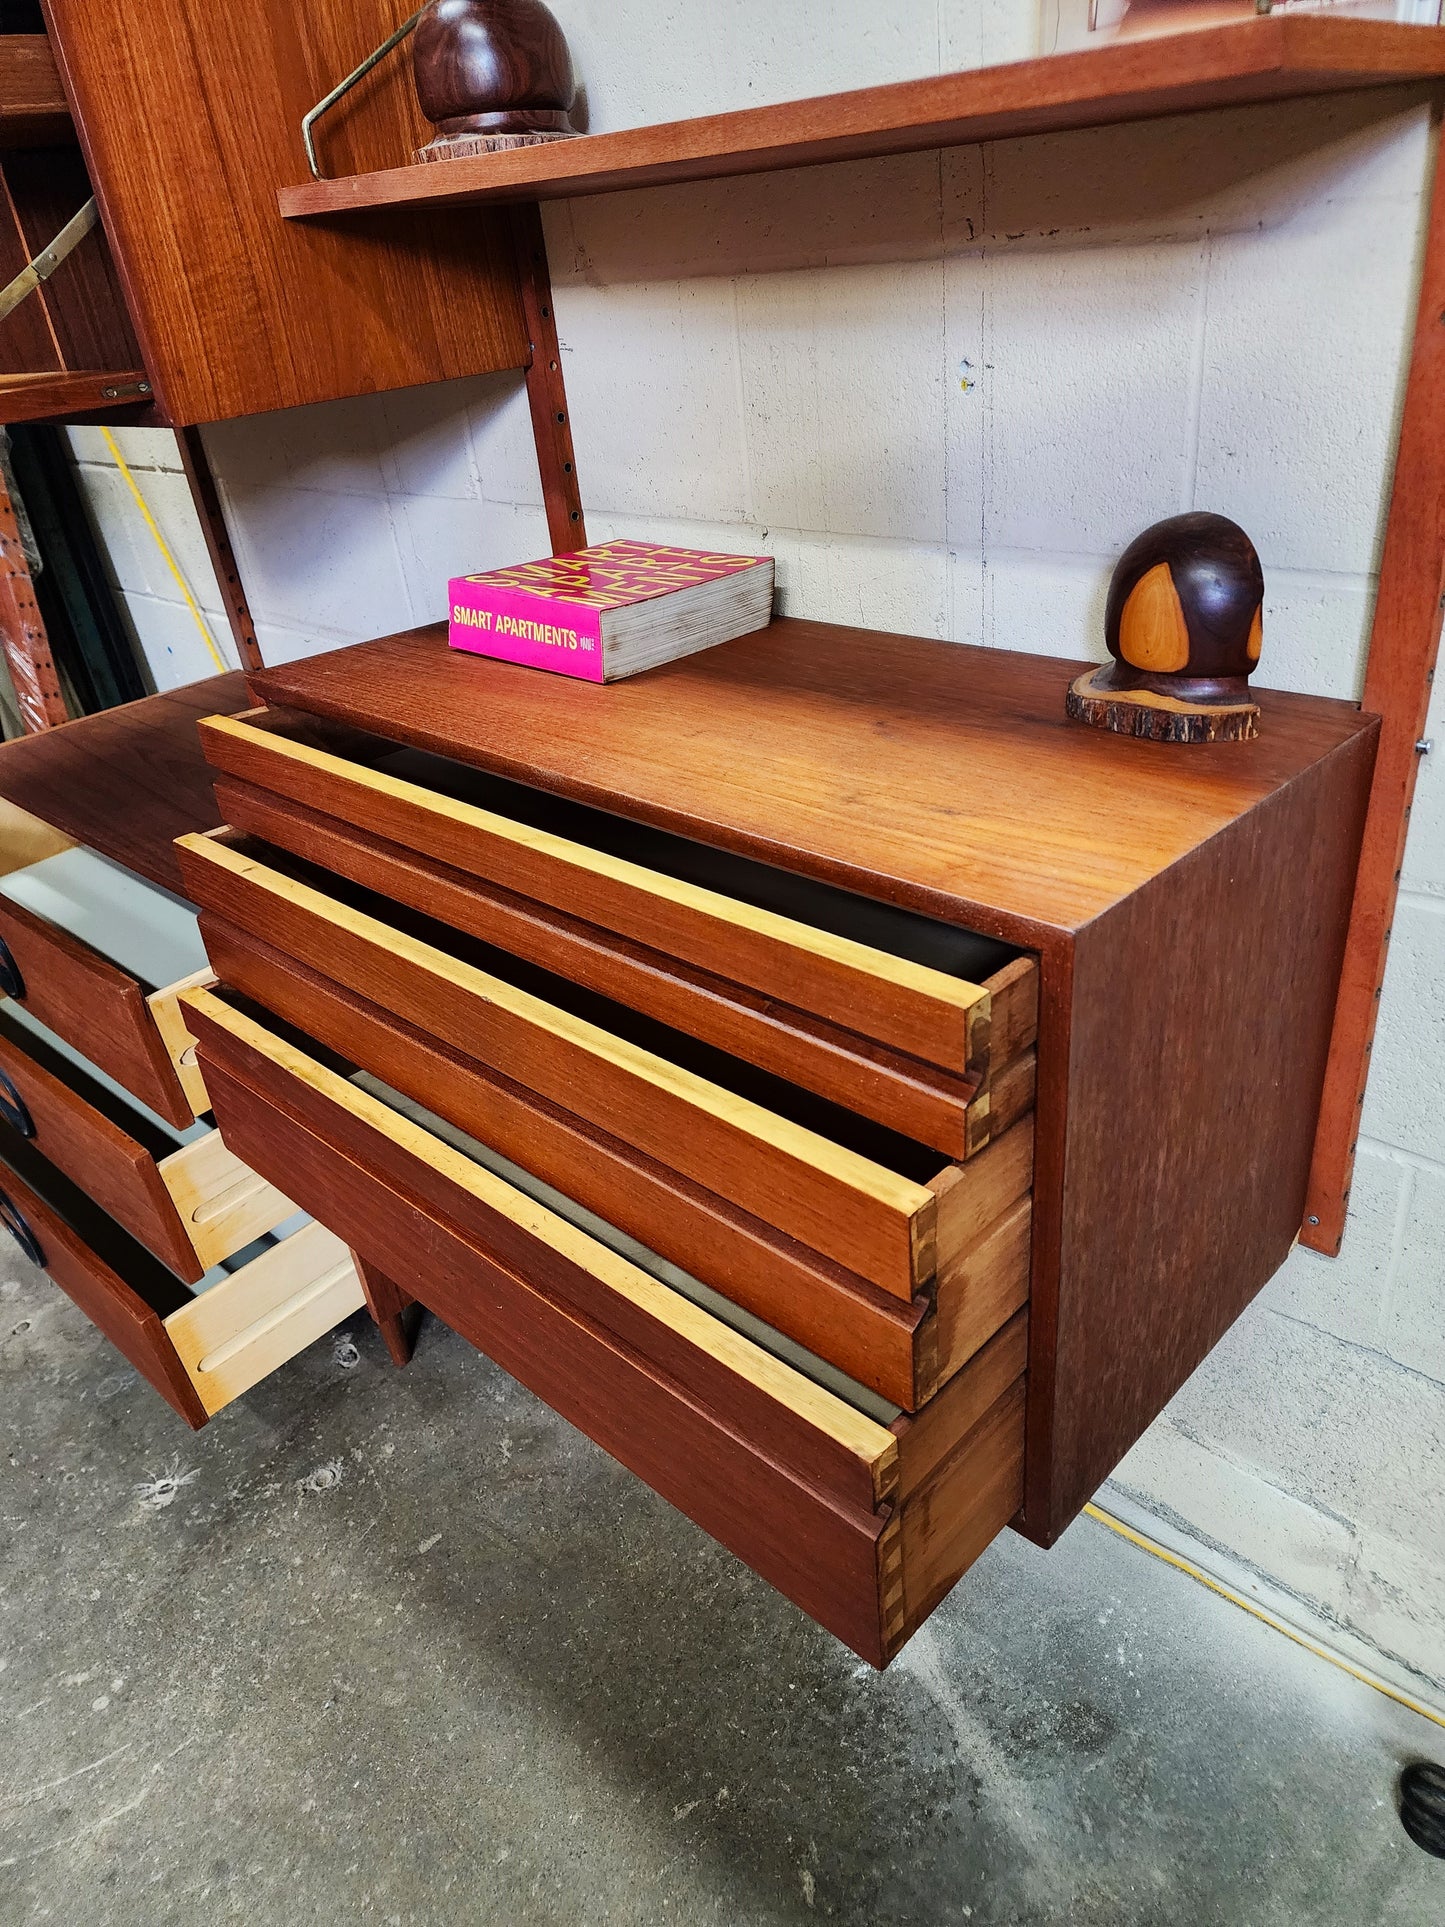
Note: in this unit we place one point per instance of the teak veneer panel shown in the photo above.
(1268, 59)
(126, 782)
(190, 121)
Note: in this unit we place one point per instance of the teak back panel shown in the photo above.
(190, 119)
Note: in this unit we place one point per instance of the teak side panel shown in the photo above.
(94, 1005)
(910, 1097)
(1131, 79)
(1201, 1015)
(110, 1304)
(863, 1331)
(820, 1552)
(860, 748)
(190, 120)
(33, 109)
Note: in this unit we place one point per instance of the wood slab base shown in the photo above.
(1093, 699)
(450, 147)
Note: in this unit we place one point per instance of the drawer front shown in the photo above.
(859, 1213)
(912, 1008)
(92, 1004)
(953, 1113)
(791, 1478)
(120, 1296)
(40, 1099)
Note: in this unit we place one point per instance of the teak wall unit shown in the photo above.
(1278, 57)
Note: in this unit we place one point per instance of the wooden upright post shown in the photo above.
(546, 390)
(196, 463)
(1404, 642)
(22, 632)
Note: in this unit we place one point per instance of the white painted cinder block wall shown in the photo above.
(945, 390)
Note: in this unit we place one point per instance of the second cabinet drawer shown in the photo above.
(887, 1208)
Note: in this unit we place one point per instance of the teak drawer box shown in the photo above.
(104, 1010)
(199, 1351)
(875, 1203)
(192, 1205)
(1185, 908)
(865, 1525)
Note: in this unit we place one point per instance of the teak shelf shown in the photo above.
(1255, 60)
(33, 109)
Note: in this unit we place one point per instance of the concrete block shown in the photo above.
(1345, 1430)
(1303, 375)
(1346, 1295)
(331, 446)
(1424, 867)
(806, 217)
(652, 382)
(424, 444)
(1236, 171)
(136, 562)
(1231, 1506)
(1316, 634)
(174, 650)
(310, 560)
(985, 33)
(1413, 1322)
(1407, 1066)
(842, 382)
(1046, 605)
(898, 586)
(140, 447)
(280, 644)
(1070, 395)
(1397, 1598)
(438, 538)
(504, 455)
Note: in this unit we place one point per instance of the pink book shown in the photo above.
(612, 610)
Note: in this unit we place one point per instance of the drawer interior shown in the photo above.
(952, 951)
(84, 1076)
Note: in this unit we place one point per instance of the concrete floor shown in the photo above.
(403, 1648)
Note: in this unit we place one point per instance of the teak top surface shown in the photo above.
(129, 781)
(1273, 58)
(938, 775)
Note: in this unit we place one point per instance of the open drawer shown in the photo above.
(678, 928)
(200, 1349)
(885, 1207)
(864, 1516)
(97, 955)
(191, 1203)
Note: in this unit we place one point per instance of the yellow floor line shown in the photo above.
(1258, 1612)
(164, 547)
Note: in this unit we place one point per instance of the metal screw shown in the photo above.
(1313, 1219)
(1424, 746)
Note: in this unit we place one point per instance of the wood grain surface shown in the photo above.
(81, 301)
(860, 748)
(128, 781)
(865, 1332)
(190, 121)
(1266, 59)
(119, 1286)
(914, 1098)
(110, 1152)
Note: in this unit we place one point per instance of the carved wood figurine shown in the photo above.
(1183, 623)
(491, 74)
